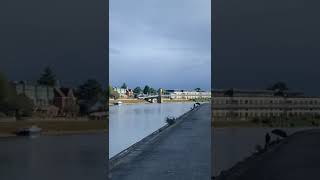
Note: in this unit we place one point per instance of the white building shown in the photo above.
(186, 94)
(248, 104)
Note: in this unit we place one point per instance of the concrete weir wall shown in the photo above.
(179, 151)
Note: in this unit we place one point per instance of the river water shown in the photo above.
(130, 123)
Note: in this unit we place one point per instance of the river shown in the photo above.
(130, 123)
(64, 157)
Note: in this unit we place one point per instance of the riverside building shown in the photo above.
(236, 104)
(187, 94)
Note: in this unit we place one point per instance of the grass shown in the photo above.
(56, 126)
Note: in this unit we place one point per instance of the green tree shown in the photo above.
(137, 90)
(115, 95)
(146, 90)
(124, 86)
(47, 78)
(152, 91)
(109, 90)
(4, 89)
(91, 90)
(197, 89)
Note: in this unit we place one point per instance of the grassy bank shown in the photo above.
(270, 123)
(128, 101)
(56, 127)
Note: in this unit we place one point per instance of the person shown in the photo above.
(267, 138)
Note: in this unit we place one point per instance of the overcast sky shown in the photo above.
(70, 36)
(258, 42)
(163, 43)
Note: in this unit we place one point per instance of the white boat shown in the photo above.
(118, 103)
(33, 130)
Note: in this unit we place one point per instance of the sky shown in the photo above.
(163, 44)
(70, 36)
(259, 42)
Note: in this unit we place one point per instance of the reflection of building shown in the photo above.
(186, 94)
(249, 104)
(41, 96)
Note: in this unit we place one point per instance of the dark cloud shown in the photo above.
(70, 36)
(257, 42)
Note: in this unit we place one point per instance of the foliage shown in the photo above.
(47, 78)
(91, 90)
(137, 90)
(3, 88)
(124, 86)
(146, 90)
(152, 91)
(281, 86)
(197, 89)
(19, 105)
(114, 94)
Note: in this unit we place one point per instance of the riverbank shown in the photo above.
(141, 101)
(7, 129)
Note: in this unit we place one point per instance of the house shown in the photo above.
(42, 96)
(121, 92)
(65, 100)
(129, 93)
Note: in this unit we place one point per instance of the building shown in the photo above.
(187, 94)
(121, 91)
(235, 104)
(42, 96)
(64, 99)
(129, 93)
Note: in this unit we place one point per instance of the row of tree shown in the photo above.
(87, 94)
(138, 90)
(146, 90)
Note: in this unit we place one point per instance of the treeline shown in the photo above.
(147, 90)
(12, 104)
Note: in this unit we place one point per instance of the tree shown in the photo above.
(4, 89)
(124, 86)
(91, 90)
(197, 89)
(115, 95)
(281, 86)
(20, 104)
(152, 91)
(137, 90)
(146, 89)
(109, 90)
(47, 78)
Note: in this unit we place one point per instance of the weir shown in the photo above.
(179, 151)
